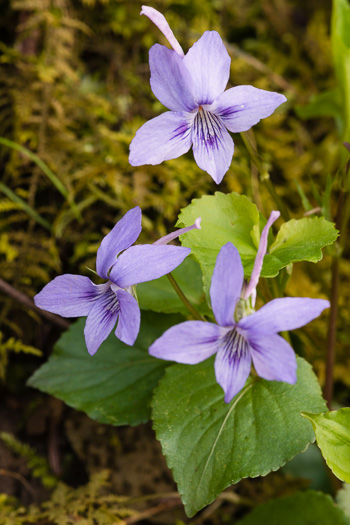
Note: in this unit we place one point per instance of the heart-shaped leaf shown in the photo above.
(115, 385)
(210, 444)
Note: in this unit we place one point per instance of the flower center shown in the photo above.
(130, 289)
(207, 129)
(234, 345)
(245, 307)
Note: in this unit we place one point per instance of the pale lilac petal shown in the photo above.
(273, 358)
(129, 318)
(286, 313)
(189, 343)
(243, 106)
(160, 21)
(232, 364)
(226, 284)
(162, 138)
(259, 259)
(174, 235)
(145, 263)
(101, 320)
(212, 144)
(69, 295)
(170, 80)
(123, 235)
(209, 64)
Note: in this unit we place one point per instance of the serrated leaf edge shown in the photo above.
(234, 481)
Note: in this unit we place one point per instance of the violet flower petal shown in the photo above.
(274, 358)
(209, 64)
(69, 295)
(160, 21)
(232, 369)
(259, 259)
(162, 138)
(212, 145)
(286, 313)
(170, 81)
(146, 262)
(190, 342)
(243, 106)
(123, 235)
(129, 318)
(226, 284)
(101, 320)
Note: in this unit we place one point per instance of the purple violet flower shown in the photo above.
(241, 334)
(104, 304)
(193, 86)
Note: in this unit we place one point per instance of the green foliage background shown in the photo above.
(74, 88)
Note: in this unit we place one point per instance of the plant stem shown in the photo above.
(332, 326)
(184, 299)
(264, 175)
(332, 332)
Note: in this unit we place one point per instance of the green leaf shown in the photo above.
(340, 37)
(225, 218)
(115, 385)
(233, 218)
(44, 167)
(305, 201)
(299, 240)
(332, 431)
(210, 444)
(325, 104)
(302, 508)
(160, 296)
(24, 206)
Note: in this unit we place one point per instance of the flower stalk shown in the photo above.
(341, 223)
(184, 299)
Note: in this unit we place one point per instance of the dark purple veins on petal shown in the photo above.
(97, 292)
(232, 110)
(207, 129)
(109, 305)
(183, 131)
(234, 345)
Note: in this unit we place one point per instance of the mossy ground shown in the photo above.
(74, 88)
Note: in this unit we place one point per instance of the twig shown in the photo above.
(150, 497)
(54, 456)
(162, 507)
(22, 298)
(18, 477)
(311, 212)
(232, 497)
